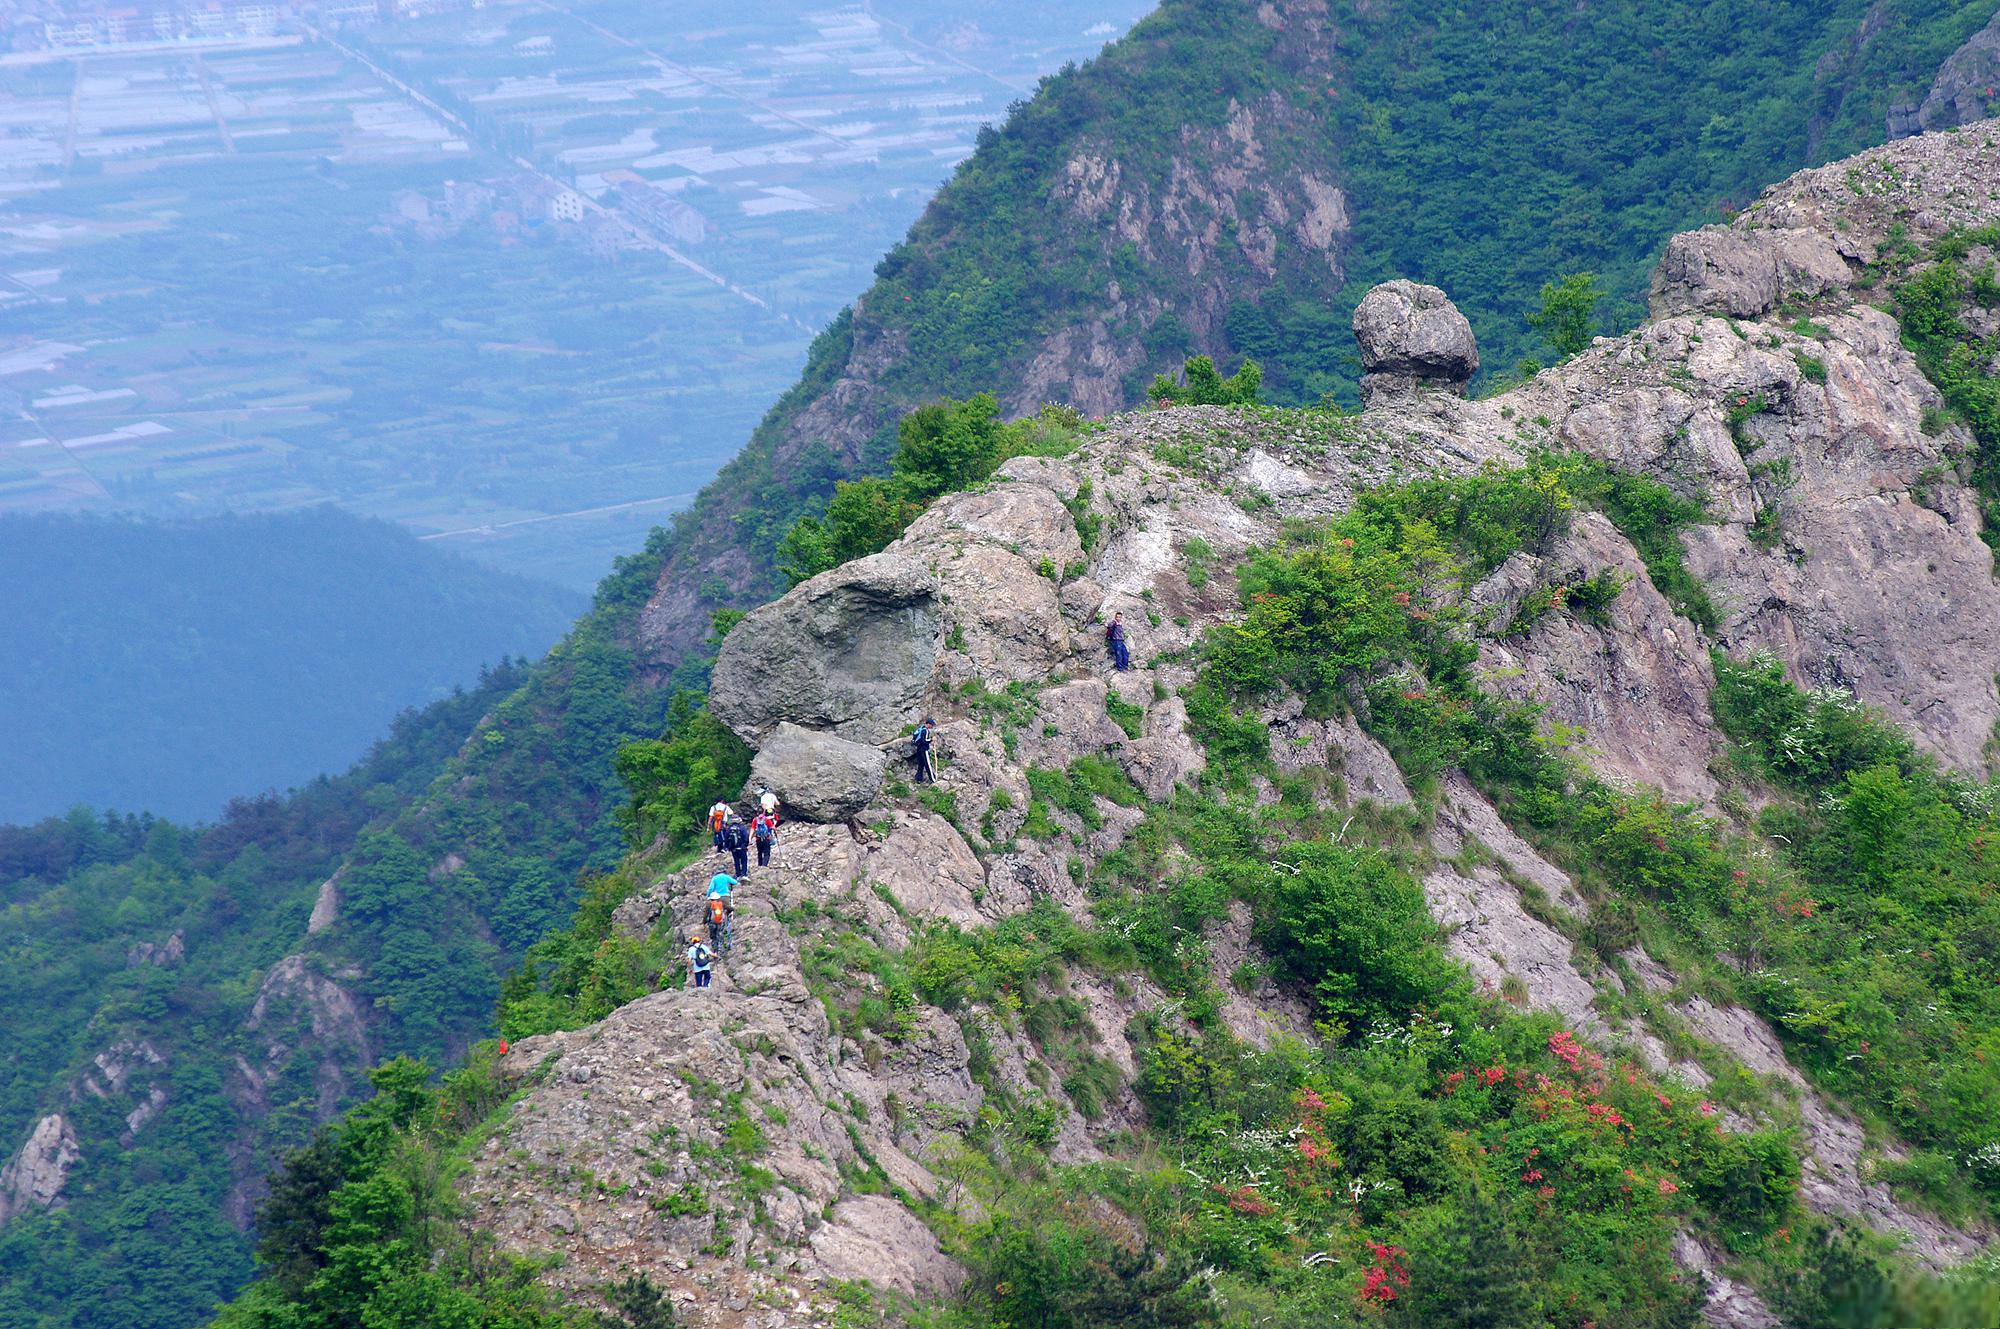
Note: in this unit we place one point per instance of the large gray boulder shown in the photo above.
(1742, 274)
(816, 776)
(850, 652)
(1412, 336)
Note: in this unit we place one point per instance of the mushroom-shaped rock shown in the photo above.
(1412, 336)
(850, 651)
(819, 777)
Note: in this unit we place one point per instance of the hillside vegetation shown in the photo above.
(459, 870)
(135, 952)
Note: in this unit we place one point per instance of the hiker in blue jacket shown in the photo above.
(920, 751)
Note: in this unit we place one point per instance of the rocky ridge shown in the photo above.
(1842, 540)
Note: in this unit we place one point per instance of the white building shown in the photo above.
(566, 206)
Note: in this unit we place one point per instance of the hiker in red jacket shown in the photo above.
(764, 834)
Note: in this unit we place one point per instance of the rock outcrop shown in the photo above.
(819, 777)
(850, 652)
(1412, 337)
(1967, 88)
(34, 1178)
(1839, 536)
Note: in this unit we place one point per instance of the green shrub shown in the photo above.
(1201, 384)
(672, 781)
(1196, 555)
(1356, 931)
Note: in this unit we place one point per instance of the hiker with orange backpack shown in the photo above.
(721, 923)
(718, 817)
(721, 910)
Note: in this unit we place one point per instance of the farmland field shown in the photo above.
(329, 264)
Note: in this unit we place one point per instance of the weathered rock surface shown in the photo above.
(1636, 685)
(34, 1178)
(1968, 86)
(1839, 537)
(818, 776)
(1412, 336)
(1878, 580)
(850, 651)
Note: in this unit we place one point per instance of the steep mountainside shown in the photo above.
(159, 1040)
(1539, 862)
(1231, 176)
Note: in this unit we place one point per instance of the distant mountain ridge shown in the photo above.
(168, 667)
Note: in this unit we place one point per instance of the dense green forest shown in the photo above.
(169, 667)
(144, 1238)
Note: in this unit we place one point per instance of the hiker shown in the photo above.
(721, 922)
(1114, 637)
(920, 751)
(700, 958)
(764, 831)
(720, 885)
(737, 837)
(767, 803)
(718, 816)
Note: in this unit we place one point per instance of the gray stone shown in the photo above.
(1412, 336)
(816, 776)
(875, 1239)
(1720, 270)
(850, 651)
(34, 1178)
(1966, 84)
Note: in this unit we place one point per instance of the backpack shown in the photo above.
(766, 831)
(718, 910)
(702, 955)
(922, 738)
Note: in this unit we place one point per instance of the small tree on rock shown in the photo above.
(1568, 317)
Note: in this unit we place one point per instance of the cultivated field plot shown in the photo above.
(521, 277)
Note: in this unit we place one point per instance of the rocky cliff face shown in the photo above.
(1967, 88)
(1841, 538)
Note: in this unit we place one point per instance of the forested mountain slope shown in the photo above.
(1231, 176)
(1538, 870)
(165, 666)
(157, 1045)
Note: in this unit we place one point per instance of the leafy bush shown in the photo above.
(1567, 319)
(673, 781)
(941, 448)
(1356, 932)
(1202, 384)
